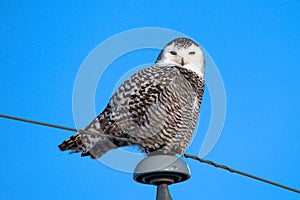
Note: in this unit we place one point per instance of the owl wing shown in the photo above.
(158, 108)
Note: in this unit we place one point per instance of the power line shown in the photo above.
(37, 122)
(136, 142)
(63, 127)
(239, 172)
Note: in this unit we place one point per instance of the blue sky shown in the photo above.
(254, 44)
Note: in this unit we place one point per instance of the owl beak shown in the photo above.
(182, 62)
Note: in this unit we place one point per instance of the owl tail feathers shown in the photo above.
(75, 144)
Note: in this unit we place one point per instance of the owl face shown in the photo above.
(185, 53)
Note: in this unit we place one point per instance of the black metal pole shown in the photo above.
(163, 192)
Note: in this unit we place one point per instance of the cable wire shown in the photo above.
(240, 172)
(37, 122)
(136, 142)
(64, 128)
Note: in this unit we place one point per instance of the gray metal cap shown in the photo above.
(161, 169)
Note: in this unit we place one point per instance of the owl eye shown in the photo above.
(192, 53)
(173, 52)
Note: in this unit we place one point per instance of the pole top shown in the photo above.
(160, 169)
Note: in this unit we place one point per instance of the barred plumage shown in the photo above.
(156, 109)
